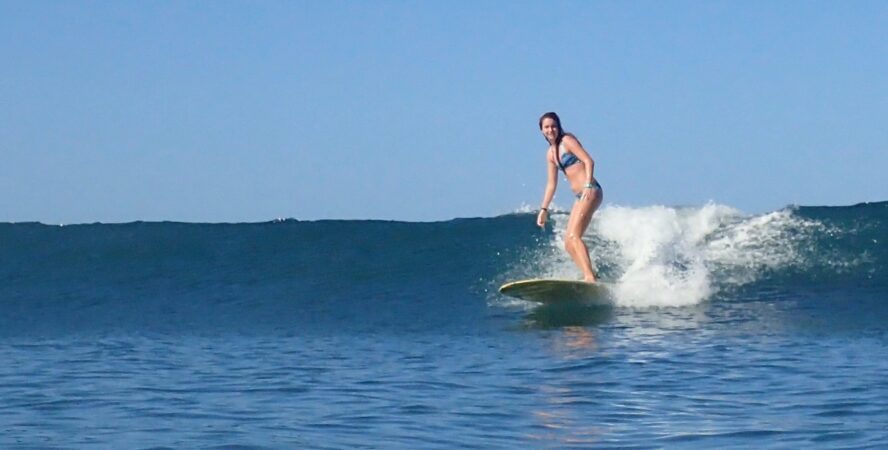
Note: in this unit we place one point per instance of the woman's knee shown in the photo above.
(570, 241)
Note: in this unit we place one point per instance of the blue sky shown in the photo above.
(250, 111)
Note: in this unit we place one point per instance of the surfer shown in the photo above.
(566, 153)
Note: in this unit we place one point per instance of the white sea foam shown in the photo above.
(665, 256)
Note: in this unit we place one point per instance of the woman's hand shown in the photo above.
(541, 217)
(587, 192)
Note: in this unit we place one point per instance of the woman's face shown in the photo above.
(550, 129)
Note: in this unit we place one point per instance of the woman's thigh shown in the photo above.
(581, 214)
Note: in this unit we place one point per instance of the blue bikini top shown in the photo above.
(567, 158)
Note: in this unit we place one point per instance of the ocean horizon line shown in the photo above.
(524, 209)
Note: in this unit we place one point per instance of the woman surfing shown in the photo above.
(567, 154)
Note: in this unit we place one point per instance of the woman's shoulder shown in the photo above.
(570, 138)
(570, 141)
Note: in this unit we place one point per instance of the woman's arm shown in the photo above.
(551, 184)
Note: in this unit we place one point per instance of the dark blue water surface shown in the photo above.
(370, 334)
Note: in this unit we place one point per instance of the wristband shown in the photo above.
(544, 209)
(589, 186)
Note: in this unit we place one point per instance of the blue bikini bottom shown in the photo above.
(597, 186)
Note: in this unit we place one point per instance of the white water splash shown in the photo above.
(664, 256)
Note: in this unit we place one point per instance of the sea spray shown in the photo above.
(668, 256)
(743, 251)
(660, 252)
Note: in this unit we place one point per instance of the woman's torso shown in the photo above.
(573, 168)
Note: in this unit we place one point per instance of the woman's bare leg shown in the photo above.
(580, 217)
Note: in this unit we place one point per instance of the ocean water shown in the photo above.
(730, 331)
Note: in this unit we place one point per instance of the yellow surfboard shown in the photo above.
(558, 291)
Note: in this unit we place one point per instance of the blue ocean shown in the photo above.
(729, 330)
